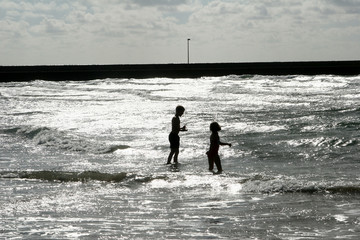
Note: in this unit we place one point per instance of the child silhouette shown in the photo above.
(174, 138)
(213, 155)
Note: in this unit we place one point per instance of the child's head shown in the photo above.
(215, 127)
(179, 110)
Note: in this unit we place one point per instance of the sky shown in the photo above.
(67, 32)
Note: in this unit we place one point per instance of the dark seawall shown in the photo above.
(88, 72)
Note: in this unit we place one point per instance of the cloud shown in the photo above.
(349, 6)
(281, 30)
(144, 31)
(159, 2)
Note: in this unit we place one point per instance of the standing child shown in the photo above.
(174, 138)
(213, 155)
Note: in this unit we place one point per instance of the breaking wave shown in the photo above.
(62, 140)
(86, 176)
(325, 142)
(253, 184)
(269, 185)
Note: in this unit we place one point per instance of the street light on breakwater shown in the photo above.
(188, 52)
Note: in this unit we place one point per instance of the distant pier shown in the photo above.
(194, 70)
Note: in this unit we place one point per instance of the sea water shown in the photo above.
(86, 160)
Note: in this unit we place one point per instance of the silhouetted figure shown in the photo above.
(174, 138)
(213, 155)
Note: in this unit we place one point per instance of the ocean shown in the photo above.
(87, 159)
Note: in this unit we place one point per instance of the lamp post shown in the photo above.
(188, 52)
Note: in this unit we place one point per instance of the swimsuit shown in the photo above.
(174, 140)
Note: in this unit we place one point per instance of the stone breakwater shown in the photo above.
(89, 72)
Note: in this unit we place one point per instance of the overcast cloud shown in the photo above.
(49, 32)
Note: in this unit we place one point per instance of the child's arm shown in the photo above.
(183, 128)
(223, 144)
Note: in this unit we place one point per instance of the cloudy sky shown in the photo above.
(34, 32)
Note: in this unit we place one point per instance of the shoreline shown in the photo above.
(182, 70)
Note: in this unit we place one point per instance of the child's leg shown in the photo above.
(211, 163)
(176, 155)
(170, 156)
(174, 152)
(218, 163)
